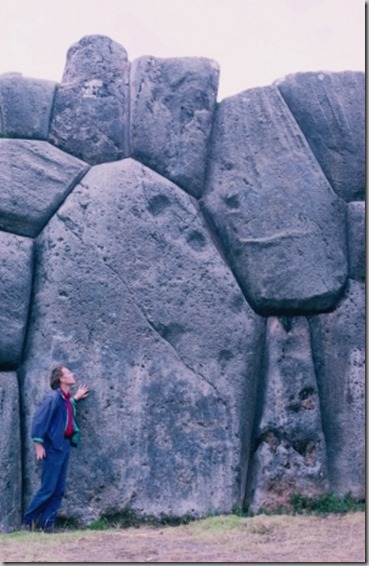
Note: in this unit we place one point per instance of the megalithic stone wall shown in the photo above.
(199, 264)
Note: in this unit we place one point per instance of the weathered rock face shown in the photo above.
(330, 110)
(356, 240)
(90, 114)
(338, 341)
(35, 178)
(281, 226)
(151, 317)
(16, 268)
(172, 106)
(25, 106)
(10, 454)
(160, 302)
(290, 452)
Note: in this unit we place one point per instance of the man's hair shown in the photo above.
(55, 376)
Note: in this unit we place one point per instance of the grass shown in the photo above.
(337, 537)
(299, 504)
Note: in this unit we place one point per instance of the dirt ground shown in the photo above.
(278, 538)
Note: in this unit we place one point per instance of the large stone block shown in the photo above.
(172, 107)
(91, 110)
(131, 293)
(290, 452)
(338, 341)
(25, 106)
(16, 268)
(281, 225)
(10, 454)
(356, 240)
(330, 110)
(35, 178)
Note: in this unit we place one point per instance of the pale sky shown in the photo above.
(255, 42)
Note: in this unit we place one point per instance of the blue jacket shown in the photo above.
(50, 421)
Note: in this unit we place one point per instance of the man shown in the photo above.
(54, 430)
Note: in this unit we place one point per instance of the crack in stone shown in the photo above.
(152, 325)
(276, 238)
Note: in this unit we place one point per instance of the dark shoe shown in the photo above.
(29, 527)
(49, 529)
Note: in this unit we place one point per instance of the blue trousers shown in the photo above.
(46, 502)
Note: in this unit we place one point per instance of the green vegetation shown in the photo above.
(302, 505)
(299, 505)
(326, 503)
(128, 518)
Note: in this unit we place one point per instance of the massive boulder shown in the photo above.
(16, 268)
(91, 109)
(290, 452)
(35, 178)
(10, 454)
(155, 290)
(131, 293)
(281, 225)
(172, 107)
(25, 106)
(338, 342)
(330, 110)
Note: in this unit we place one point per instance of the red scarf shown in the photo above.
(69, 428)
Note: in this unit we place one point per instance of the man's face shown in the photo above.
(67, 377)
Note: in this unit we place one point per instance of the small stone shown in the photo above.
(10, 454)
(290, 452)
(338, 342)
(16, 269)
(35, 178)
(91, 109)
(330, 110)
(25, 106)
(356, 240)
(172, 108)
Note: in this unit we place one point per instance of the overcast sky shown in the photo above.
(254, 41)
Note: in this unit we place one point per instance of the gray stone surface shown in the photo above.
(10, 454)
(91, 110)
(25, 106)
(172, 107)
(290, 452)
(356, 240)
(330, 110)
(35, 178)
(281, 225)
(132, 294)
(16, 268)
(195, 406)
(338, 341)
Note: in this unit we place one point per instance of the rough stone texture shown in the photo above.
(131, 293)
(356, 240)
(330, 110)
(91, 109)
(290, 452)
(189, 411)
(172, 107)
(338, 341)
(281, 225)
(10, 454)
(35, 177)
(25, 106)
(16, 268)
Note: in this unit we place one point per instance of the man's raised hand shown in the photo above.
(81, 392)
